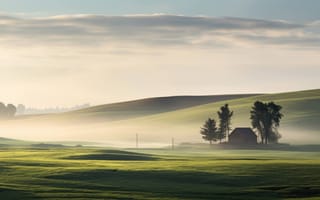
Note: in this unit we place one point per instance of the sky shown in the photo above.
(300, 10)
(68, 52)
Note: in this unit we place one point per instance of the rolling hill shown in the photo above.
(157, 120)
(301, 107)
(147, 107)
(301, 115)
(13, 142)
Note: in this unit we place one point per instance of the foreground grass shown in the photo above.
(84, 173)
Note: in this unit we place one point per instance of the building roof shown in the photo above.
(243, 131)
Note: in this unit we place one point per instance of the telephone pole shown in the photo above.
(172, 143)
(137, 141)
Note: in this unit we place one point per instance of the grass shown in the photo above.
(296, 105)
(92, 173)
(13, 142)
(149, 106)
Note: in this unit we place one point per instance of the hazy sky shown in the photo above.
(263, 9)
(67, 52)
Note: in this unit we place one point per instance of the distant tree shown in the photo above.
(7, 111)
(209, 131)
(3, 110)
(265, 118)
(21, 109)
(11, 110)
(224, 121)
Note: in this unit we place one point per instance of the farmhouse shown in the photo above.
(243, 136)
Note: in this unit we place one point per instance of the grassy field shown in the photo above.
(94, 173)
(298, 107)
(149, 106)
(135, 108)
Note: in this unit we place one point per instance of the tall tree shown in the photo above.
(257, 118)
(3, 110)
(7, 111)
(225, 116)
(209, 131)
(265, 118)
(11, 110)
(21, 109)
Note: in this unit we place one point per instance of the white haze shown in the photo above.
(123, 133)
(72, 59)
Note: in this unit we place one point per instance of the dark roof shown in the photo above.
(243, 131)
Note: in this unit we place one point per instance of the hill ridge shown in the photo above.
(148, 106)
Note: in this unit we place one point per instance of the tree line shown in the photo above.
(7, 111)
(265, 120)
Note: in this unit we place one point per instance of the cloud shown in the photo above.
(71, 59)
(157, 29)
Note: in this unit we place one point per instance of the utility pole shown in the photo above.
(172, 143)
(137, 141)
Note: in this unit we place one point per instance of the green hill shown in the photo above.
(146, 107)
(157, 120)
(301, 114)
(13, 142)
(300, 107)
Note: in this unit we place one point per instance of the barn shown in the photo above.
(243, 136)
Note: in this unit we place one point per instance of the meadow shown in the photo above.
(67, 170)
(97, 173)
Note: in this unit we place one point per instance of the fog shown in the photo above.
(68, 60)
(151, 133)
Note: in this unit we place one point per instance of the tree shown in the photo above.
(224, 121)
(274, 136)
(220, 135)
(11, 110)
(21, 109)
(265, 118)
(7, 111)
(3, 110)
(209, 131)
(257, 118)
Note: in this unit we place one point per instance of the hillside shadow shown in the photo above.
(277, 147)
(190, 184)
(147, 107)
(11, 194)
(114, 155)
(47, 146)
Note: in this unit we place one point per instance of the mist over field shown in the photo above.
(64, 60)
(158, 120)
(159, 99)
(79, 58)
